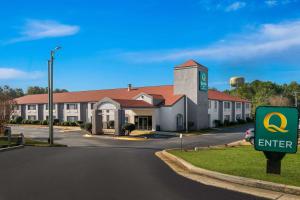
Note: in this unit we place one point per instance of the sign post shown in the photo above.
(276, 133)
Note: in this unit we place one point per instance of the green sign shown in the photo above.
(203, 86)
(276, 129)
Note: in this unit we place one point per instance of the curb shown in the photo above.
(11, 148)
(288, 189)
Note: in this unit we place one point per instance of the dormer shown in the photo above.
(152, 99)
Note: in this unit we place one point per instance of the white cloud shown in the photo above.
(273, 3)
(235, 6)
(266, 40)
(12, 73)
(40, 29)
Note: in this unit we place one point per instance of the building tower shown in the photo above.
(191, 80)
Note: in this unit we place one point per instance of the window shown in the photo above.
(46, 106)
(209, 104)
(238, 106)
(247, 105)
(107, 111)
(47, 117)
(72, 106)
(107, 118)
(31, 107)
(126, 119)
(92, 106)
(226, 105)
(216, 105)
(239, 116)
(31, 117)
(72, 118)
(227, 117)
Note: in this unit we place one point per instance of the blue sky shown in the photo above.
(108, 44)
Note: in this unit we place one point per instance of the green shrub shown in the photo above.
(19, 120)
(12, 121)
(56, 122)
(88, 127)
(128, 127)
(44, 122)
(35, 122)
(226, 122)
(232, 123)
(217, 123)
(241, 121)
(111, 124)
(79, 123)
(248, 119)
(73, 124)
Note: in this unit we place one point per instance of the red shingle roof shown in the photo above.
(162, 92)
(130, 103)
(188, 63)
(165, 92)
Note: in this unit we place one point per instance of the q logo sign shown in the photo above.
(273, 128)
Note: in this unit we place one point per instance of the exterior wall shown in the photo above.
(146, 98)
(89, 111)
(46, 112)
(186, 82)
(213, 112)
(31, 112)
(108, 109)
(167, 115)
(83, 112)
(74, 112)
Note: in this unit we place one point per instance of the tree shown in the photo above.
(6, 107)
(41, 90)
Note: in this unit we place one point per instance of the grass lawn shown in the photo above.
(244, 161)
(38, 143)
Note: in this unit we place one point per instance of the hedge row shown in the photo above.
(218, 123)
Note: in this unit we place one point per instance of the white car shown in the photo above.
(249, 135)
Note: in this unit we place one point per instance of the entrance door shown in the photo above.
(143, 122)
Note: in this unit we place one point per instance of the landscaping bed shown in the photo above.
(243, 161)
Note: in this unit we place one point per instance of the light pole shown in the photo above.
(50, 93)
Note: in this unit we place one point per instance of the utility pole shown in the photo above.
(50, 94)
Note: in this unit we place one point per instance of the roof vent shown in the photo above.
(129, 87)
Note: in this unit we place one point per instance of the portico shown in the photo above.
(137, 112)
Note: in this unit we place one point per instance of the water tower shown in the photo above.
(236, 81)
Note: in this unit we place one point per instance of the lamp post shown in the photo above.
(50, 93)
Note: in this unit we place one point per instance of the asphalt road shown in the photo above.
(111, 170)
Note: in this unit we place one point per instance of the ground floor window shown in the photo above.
(239, 116)
(72, 118)
(179, 122)
(227, 117)
(143, 122)
(31, 117)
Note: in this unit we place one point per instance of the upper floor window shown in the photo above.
(247, 105)
(209, 104)
(216, 105)
(238, 105)
(46, 106)
(31, 107)
(72, 106)
(226, 105)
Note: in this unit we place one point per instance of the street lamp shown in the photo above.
(50, 93)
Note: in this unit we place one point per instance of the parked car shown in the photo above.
(249, 135)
